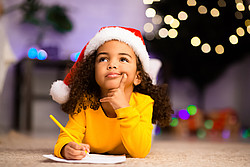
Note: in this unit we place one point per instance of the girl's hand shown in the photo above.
(116, 97)
(74, 151)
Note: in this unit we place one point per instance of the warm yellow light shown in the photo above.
(182, 15)
(248, 29)
(150, 12)
(150, 36)
(219, 49)
(191, 2)
(148, 2)
(202, 9)
(222, 3)
(240, 7)
(195, 41)
(157, 0)
(148, 27)
(240, 31)
(247, 23)
(163, 32)
(215, 12)
(238, 1)
(238, 15)
(168, 19)
(175, 23)
(206, 48)
(249, 7)
(172, 33)
(157, 19)
(233, 39)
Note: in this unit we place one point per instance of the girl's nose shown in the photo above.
(111, 66)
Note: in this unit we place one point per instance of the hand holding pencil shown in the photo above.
(72, 150)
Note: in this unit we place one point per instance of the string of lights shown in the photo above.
(152, 31)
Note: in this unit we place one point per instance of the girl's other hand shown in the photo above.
(116, 97)
(74, 151)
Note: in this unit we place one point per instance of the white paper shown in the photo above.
(92, 158)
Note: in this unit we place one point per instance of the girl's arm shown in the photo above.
(136, 127)
(76, 128)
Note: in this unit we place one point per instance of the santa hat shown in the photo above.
(132, 37)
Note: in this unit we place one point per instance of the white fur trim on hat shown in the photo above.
(59, 92)
(123, 35)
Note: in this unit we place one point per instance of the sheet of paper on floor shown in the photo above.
(92, 158)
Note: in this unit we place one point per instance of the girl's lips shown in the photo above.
(113, 75)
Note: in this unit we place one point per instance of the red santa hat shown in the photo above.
(132, 37)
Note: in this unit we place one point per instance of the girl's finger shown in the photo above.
(123, 80)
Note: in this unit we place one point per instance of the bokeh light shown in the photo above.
(202, 9)
(175, 23)
(42, 55)
(148, 27)
(240, 7)
(201, 133)
(74, 56)
(150, 12)
(172, 33)
(215, 12)
(192, 109)
(247, 23)
(182, 15)
(222, 3)
(157, 19)
(191, 2)
(248, 29)
(209, 124)
(174, 122)
(158, 130)
(195, 41)
(226, 134)
(240, 31)
(233, 39)
(163, 32)
(206, 48)
(168, 19)
(238, 15)
(245, 133)
(183, 114)
(219, 49)
(148, 2)
(32, 53)
(150, 36)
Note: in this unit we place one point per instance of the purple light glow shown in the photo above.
(225, 134)
(183, 114)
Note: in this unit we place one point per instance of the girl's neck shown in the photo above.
(108, 110)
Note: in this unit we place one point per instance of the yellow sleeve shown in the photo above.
(136, 128)
(76, 127)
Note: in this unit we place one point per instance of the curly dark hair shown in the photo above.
(85, 89)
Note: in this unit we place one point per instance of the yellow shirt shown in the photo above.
(129, 133)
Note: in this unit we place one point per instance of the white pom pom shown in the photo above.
(59, 92)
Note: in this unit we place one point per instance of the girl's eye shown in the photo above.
(103, 59)
(123, 59)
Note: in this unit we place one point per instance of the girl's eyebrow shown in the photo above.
(126, 54)
(106, 53)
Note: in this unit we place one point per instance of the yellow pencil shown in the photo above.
(60, 126)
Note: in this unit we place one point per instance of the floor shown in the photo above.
(17, 149)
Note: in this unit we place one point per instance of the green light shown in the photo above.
(201, 133)
(192, 109)
(209, 124)
(174, 122)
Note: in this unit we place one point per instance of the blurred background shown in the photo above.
(199, 48)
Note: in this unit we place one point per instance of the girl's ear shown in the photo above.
(137, 79)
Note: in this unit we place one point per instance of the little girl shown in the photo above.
(110, 98)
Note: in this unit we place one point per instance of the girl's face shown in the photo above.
(113, 59)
